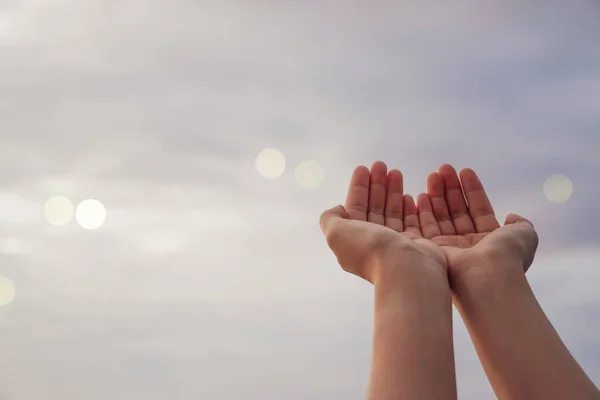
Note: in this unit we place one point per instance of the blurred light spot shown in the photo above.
(558, 188)
(90, 214)
(13, 246)
(309, 174)
(7, 291)
(270, 163)
(58, 210)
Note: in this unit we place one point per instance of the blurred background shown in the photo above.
(163, 165)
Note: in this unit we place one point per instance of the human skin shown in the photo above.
(521, 353)
(376, 236)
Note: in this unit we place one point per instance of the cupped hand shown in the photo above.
(378, 222)
(457, 215)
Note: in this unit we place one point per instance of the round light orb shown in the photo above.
(58, 210)
(270, 163)
(558, 189)
(309, 174)
(7, 291)
(90, 214)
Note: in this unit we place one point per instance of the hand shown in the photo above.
(468, 231)
(378, 222)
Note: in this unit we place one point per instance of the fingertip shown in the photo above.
(468, 173)
(423, 203)
(449, 176)
(334, 212)
(511, 218)
(469, 179)
(409, 205)
(361, 170)
(447, 168)
(341, 211)
(395, 182)
(379, 173)
(435, 184)
(361, 176)
(395, 173)
(515, 219)
(379, 165)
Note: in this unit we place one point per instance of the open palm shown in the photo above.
(457, 215)
(377, 197)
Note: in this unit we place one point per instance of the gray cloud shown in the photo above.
(209, 281)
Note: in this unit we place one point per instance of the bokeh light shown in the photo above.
(7, 291)
(58, 210)
(270, 163)
(90, 214)
(558, 188)
(309, 174)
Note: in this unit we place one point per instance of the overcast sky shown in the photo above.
(208, 281)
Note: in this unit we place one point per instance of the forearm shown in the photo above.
(413, 355)
(521, 353)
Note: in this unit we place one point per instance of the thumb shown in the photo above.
(516, 219)
(329, 216)
(527, 238)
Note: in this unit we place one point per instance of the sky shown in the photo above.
(206, 280)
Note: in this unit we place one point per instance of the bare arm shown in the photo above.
(521, 353)
(376, 236)
(413, 355)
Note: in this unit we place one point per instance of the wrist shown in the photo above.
(490, 278)
(416, 287)
(401, 268)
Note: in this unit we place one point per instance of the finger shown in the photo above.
(330, 216)
(428, 223)
(411, 219)
(394, 203)
(459, 213)
(480, 208)
(516, 219)
(357, 200)
(377, 193)
(436, 192)
(528, 237)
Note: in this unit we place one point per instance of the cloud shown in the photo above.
(203, 270)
